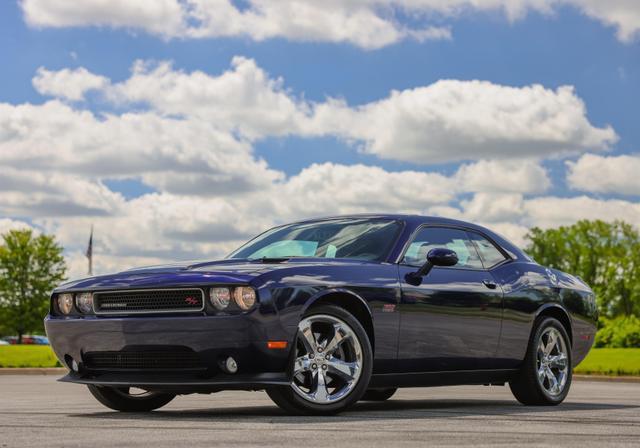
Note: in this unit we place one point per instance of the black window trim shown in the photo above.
(506, 256)
(464, 229)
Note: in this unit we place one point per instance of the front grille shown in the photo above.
(184, 359)
(149, 301)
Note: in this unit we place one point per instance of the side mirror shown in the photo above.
(442, 257)
(435, 257)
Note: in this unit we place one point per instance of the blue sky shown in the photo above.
(569, 46)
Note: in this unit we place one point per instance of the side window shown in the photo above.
(489, 253)
(441, 237)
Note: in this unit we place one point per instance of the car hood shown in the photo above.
(231, 271)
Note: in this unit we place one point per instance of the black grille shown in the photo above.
(149, 301)
(143, 360)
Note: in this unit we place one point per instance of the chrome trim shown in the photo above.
(112, 313)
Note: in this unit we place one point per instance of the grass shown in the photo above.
(27, 356)
(600, 361)
(611, 361)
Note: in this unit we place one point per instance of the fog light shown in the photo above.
(230, 365)
(71, 363)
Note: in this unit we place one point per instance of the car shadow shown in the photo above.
(388, 410)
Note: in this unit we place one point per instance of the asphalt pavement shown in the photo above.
(37, 411)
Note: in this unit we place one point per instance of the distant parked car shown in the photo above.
(40, 340)
(3, 342)
(27, 339)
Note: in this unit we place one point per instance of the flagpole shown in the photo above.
(89, 253)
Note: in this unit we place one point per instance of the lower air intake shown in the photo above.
(173, 359)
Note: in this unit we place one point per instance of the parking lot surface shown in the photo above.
(37, 411)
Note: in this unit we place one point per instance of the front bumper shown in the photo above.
(211, 338)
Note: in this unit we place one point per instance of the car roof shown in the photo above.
(399, 216)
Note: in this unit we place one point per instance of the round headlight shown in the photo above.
(65, 303)
(245, 297)
(220, 297)
(84, 302)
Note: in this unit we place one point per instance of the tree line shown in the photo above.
(605, 255)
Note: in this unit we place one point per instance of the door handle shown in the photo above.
(490, 284)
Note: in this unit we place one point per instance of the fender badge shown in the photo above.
(388, 307)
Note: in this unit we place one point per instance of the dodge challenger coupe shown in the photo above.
(323, 313)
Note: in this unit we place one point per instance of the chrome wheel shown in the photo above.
(328, 359)
(552, 361)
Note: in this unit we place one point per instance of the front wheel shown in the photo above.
(129, 399)
(545, 377)
(331, 367)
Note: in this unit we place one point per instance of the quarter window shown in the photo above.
(442, 237)
(489, 253)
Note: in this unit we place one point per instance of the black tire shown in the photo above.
(378, 394)
(292, 403)
(119, 399)
(526, 387)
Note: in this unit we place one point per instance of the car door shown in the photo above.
(452, 319)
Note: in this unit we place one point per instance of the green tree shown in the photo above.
(605, 255)
(30, 267)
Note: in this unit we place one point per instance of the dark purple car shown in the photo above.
(326, 312)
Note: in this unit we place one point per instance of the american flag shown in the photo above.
(89, 253)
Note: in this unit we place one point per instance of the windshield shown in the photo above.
(363, 239)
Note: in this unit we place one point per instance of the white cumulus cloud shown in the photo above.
(449, 120)
(161, 17)
(453, 120)
(170, 153)
(369, 24)
(244, 98)
(67, 84)
(605, 174)
(517, 176)
(7, 225)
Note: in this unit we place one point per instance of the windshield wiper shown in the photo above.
(270, 259)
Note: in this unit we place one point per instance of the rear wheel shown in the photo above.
(332, 364)
(546, 374)
(379, 394)
(129, 399)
